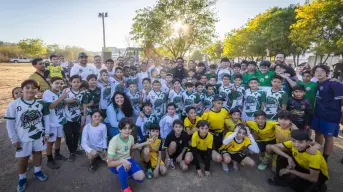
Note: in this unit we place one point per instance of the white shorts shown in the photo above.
(245, 117)
(28, 147)
(55, 132)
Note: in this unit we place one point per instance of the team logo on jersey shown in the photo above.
(18, 108)
(30, 118)
(321, 87)
(126, 148)
(308, 88)
(267, 77)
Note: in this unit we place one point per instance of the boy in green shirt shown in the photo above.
(251, 72)
(94, 92)
(264, 76)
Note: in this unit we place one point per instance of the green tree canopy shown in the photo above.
(34, 47)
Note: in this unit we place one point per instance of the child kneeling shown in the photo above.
(119, 160)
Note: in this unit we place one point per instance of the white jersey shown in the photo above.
(28, 117)
(57, 115)
(221, 73)
(166, 124)
(131, 79)
(144, 124)
(225, 92)
(158, 101)
(134, 98)
(119, 85)
(165, 89)
(111, 73)
(189, 99)
(105, 95)
(141, 76)
(83, 71)
(73, 110)
(176, 98)
(97, 70)
(237, 97)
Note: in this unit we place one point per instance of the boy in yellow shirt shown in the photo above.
(54, 70)
(235, 119)
(191, 120)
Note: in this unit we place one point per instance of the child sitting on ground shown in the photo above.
(234, 119)
(191, 121)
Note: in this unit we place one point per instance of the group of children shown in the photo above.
(219, 116)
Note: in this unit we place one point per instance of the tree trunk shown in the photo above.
(315, 60)
(298, 59)
(326, 58)
(294, 60)
(321, 58)
(252, 58)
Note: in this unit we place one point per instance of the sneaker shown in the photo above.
(71, 157)
(172, 166)
(128, 189)
(149, 174)
(41, 176)
(58, 156)
(80, 152)
(53, 165)
(92, 168)
(22, 185)
(225, 167)
(262, 166)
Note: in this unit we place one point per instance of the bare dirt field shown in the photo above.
(74, 176)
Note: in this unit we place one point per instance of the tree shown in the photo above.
(197, 55)
(34, 47)
(177, 26)
(215, 50)
(319, 25)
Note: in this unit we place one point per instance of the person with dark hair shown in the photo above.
(225, 91)
(97, 64)
(119, 108)
(109, 63)
(254, 100)
(143, 74)
(225, 69)
(236, 69)
(119, 80)
(234, 119)
(94, 92)
(179, 71)
(191, 120)
(120, 61)
(250, 73)
(158, 99)
(166, 122)
(237, 92)
(287, 80)
(144, 121)
(191, 65)
(83, 69)
(54, 70)
(132, 78)
(212, 71)
(38, 76)
(244, 65)
(17, 92)
(61, 60)
(207, 102)
(264, 76)
(201, 69)
(200, 91)
(190, 98)
(280, 59)
(175, 96)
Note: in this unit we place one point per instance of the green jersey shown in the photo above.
(95, 95)
(237, 97)
(311, 89)
(274, 102)
(247, 76)
(253, 101)
(265, 80)
(188, 100)
(73, 110)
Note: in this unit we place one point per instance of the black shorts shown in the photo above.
(263, 144)
(217, 140)
(178, 151)
(238, 156)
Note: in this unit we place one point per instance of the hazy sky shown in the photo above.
(76, 22)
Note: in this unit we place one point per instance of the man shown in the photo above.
(280, 59)
(97, 64)
(62, 62)
(39, 65)
(83, 69)
(143, 74)
(179, 72)
(120, 60)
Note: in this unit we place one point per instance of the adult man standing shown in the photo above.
(97, 64)
(179, 72)
(120, 60)
(280, 59)
(83, 69)
(38, 75)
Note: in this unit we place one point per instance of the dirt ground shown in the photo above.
(75, 176)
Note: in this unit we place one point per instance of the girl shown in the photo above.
(73, 102)
(232, 147)
(119, 80)
(119, 108)
(17, 92)
(119, 160)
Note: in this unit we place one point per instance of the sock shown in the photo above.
(37, 169)
(22, 176)
(266, 158)
(122, 176)
(57, 151)
(326, 157)
(50, 158)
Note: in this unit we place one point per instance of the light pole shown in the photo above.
(103, 15)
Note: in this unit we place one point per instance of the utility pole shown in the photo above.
(102, 16)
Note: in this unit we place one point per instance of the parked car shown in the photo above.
(20, 60)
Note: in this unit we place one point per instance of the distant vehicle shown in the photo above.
(20, 60)
(46, 60)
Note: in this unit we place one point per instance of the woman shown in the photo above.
(119, 108)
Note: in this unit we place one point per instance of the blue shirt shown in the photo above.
(328, 104)
(113, 115)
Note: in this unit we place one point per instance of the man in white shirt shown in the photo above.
(82, 69)
(62, 62)
(143, 74)
(97, 64)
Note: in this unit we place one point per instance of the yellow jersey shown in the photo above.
(189, 124)
(230, 124)
(216, 119)
(308, 161)
(202, 143)
(234, 146)
(265, 134)
(44, 85)
(282, 135)
(55, 71)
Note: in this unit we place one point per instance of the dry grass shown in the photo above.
(11, 75)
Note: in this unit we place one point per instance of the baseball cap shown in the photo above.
(300, 135)
(82, 54)
(218, 98)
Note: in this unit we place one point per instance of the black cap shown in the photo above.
(300, 135)
(218, 98)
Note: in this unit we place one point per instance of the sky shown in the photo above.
(76, 22)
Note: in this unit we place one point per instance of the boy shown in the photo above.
(327, 112)
(191, 121)
(190, 98)
(251, 72)
(203, 79)
(54, 98)
(213, 81)
(224, 69)
(264, 76)
(169, 83)
(280, 69)
(158, 99)
(300, 108)
(216, 119)
(176, 145)
(237, 92)
(225, 91)
(309, 171)
(236, 71)
(199, 87)
(54, 70)
(208, 97)
(132, 78)
(146, 84)
(143, 122)
(276, 99)
(119, 160)
(109, 67)
(253, 100)
(201, 69)
(94, 92)
(119, 80)
(201, 145)
(234, 119)
(175, 96)
(152, 153)
(167, 120)
(212, 71)
(28, 129)
(106, 91)
(133, 95)
(244, 65)
(94, 140)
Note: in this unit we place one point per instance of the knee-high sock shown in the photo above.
(122, 175)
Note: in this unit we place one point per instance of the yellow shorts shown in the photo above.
(153, 159)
